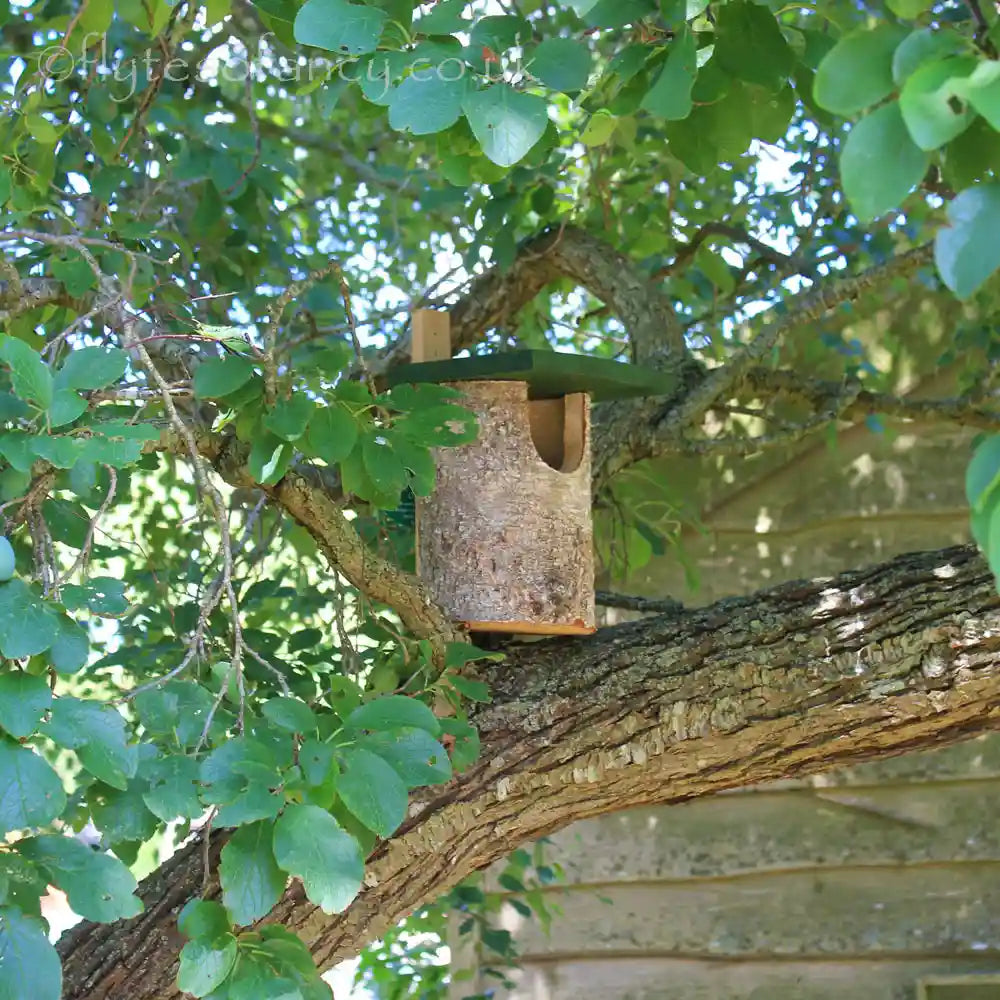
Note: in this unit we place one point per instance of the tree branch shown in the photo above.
(26, 294)
(735, 234)
(850, 400)
(796, 680)
(630, 432)
(494, 298)
(808, 308)
(305, 497)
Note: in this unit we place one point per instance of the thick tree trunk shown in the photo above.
(796, 680)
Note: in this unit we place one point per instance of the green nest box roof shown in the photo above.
(548, 374)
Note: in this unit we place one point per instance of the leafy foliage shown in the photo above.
(214, 219)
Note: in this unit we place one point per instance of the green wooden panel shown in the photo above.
(549, 374)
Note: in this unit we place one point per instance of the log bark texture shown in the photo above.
(803, 678)
(505, 543)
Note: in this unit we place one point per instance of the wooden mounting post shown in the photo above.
(430, 335)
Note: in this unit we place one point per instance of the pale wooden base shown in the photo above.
(530, 628)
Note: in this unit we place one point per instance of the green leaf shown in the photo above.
(13, 484)
(206, 964)
(30, 377)
(173, 788)
(23, 700)
(427, 101)
(991, 542)
(252, 882)
(372, 790)
(440, 426)
(616, 13)
(99, 887)
(27, 625)
(62, 452)
(967, 251)
(204, 919)
(289, 418)
(932, 102)
(506, 123)
(310, 844)
(29, 965)
(414, 755)
(908, 9)
(444, 18)
(332, 434)
(97, 733)
(880, 163)
(750, 46)
(101, 595)
(269, 458)
(383, 465)
(91, 368)
(290, 713)
(982, 476)
(981, 88)
(923, 46)
(670, 96)
(279, 967)
(66, 407)
(857, 72)
(218, 377)
(561, 63)
(418, 462)
(75, 273)
(599, 128)
(499, 32)
(70, 650)
(393, 712)
(18, 449)
(338, 26)
(473, 690)
(457, 654)
(465, 751)
(971, 157)
(122, 815)
(31, 793)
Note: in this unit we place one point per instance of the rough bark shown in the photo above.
(505, 543)
(799, 679)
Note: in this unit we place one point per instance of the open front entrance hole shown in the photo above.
(559, 430)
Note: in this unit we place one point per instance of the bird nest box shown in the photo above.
(505, 542)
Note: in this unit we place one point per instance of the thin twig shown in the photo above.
(293, 291)
(633, 602)
(80, 563)
(719, 382)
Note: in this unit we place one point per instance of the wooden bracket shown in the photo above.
(430, 335)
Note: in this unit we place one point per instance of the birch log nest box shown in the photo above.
(505, 542)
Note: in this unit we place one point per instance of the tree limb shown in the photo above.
(307, 500)
(30, 293)
(626, 433)
(850, 400)
(796, 680)
(494, 298)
